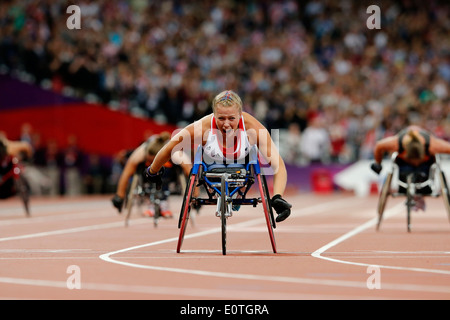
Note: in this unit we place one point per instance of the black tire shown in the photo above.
(409, 202)
(223, 217)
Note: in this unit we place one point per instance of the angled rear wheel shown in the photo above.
(445, 192)
(185, 209)
(385, 192)
(265, 199)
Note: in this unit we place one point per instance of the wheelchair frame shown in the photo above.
(231, 190)
(412, 187)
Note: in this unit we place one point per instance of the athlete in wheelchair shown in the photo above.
(12, 180)
(416, 160)
(133, 189)
(226, 163)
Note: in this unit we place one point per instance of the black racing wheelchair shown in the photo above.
(411, 183)
(141, 192)
(226, 187)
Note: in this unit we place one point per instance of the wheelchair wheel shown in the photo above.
(130, 197)
(445, 192)
(409, 201)
(263, 190)
(185, 209)
(267, 197)
(23, 190)
(385, 191)
(157, 214)
(223, 213)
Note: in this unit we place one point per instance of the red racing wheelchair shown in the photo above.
(226, 187)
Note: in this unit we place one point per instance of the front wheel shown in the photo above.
(223, 213)
(409, 201)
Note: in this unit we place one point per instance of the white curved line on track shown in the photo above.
(305, 211)
(390, 212)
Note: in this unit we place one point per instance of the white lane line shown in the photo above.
(298, 212)
(293, 280)
(171, 291)
(71, 230)
(371, 223)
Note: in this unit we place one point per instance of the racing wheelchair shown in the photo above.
(413, 183)
(141, 192)
(13, 182)
(226, 187)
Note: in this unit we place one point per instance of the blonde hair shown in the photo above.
(414, 147)
(227, 98)
(156, 144)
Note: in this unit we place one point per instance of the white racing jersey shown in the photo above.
(215, 152)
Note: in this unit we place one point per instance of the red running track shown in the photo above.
(327, 249)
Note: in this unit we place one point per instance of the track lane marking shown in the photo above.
(308, 281)
(372, 222)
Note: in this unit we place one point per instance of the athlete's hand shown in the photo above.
(281, 206)
(117, 202)
(376, 167)
(154, 177)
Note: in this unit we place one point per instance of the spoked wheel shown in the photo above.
(409, 201)
(445, 192)
(385, 191)
(268, 213)
(185, 209)
(223, 213)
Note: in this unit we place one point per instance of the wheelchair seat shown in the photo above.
(423, 175)
(225, 168)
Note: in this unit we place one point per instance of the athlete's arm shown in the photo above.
(389, 144)
(184, 140)
(439, 146)
(136, 157)
(258, 134)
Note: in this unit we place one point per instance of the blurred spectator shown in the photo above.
(289, 60)
(290, 145)
(48, 160)
(315, 142)
(72, 162)
(95, 179)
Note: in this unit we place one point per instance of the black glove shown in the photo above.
(154, 177)
(376, 167)
(281, 206)
(117, 202)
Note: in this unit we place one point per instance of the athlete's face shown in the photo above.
(227, 119)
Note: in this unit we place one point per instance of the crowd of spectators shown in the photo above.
(312, 69)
